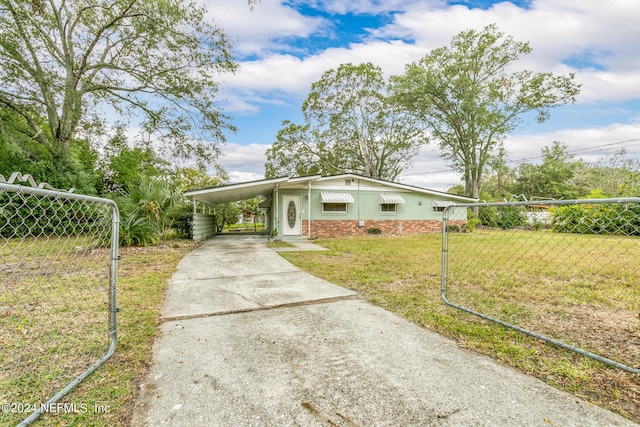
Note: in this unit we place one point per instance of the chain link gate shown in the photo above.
(58, 276)
(565, 272)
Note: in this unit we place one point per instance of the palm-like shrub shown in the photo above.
(144, 209)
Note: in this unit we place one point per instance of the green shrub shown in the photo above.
(453, 228)
(374, 230)
(136, 229)
(605, 218)
(504, 217)
(144, 209)
(182, 221)
(537, 225)
(472, 221)
(28, 215)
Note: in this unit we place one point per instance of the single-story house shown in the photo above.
(327, 206)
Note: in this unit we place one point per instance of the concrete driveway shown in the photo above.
(248, 339)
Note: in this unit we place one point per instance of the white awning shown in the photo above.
(442, 203)
(336, 198)
(390, 199)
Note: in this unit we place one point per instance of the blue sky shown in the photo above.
(282, 47)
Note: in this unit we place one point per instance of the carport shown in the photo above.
(204, 225)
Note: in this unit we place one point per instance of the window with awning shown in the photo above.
(389, 202)
(390, 199)
(335, 202)
(441, 205)
(336, 198)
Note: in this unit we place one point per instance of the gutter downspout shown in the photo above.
(358, 202)
(276, 217)
(309, 211)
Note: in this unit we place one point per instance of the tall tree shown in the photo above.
(553, 178)
(294, 154)
(123, 166)
(500, 177)
(615, 175)
(470, 100)
(20, 153)
(192, 178)
(153, 61)
(351, 125)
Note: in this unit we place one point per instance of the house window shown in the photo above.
(335, 202)
(388, 208)
(441, 205)
(334, 207)
(389, 202)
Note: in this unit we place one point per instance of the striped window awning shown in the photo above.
(442, 203)
(336, 198)
(390, 199)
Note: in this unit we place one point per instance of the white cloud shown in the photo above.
(244, 160)
(263, 28)
(239, 177)
(589, 144)
(557, 31)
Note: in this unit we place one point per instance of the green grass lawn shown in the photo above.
(548, 282)
(584, 290)
(54, 326)
(245, 227)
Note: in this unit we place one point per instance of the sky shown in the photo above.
(282, 47)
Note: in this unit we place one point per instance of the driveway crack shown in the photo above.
(262, 308)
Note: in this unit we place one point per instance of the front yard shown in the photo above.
(580, 289)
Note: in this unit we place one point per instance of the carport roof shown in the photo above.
(243, 191)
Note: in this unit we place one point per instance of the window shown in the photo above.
(389, 202)
(335, 202)
(441, 205)
(334, 207)
(388, 208)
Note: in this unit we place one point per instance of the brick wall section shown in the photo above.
(335, 228)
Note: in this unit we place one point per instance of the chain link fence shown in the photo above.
(58, 265)
(566, 272)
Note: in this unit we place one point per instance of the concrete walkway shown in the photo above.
(248, 339)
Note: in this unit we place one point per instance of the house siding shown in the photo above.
(204, 226)
(415, 216)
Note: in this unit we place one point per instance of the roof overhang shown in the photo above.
(235, 192)
(263, 188)
(244, 190)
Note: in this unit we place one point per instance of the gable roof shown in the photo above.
(264, 187)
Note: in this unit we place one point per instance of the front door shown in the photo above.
(291, 216)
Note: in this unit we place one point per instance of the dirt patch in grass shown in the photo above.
(583, 290)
